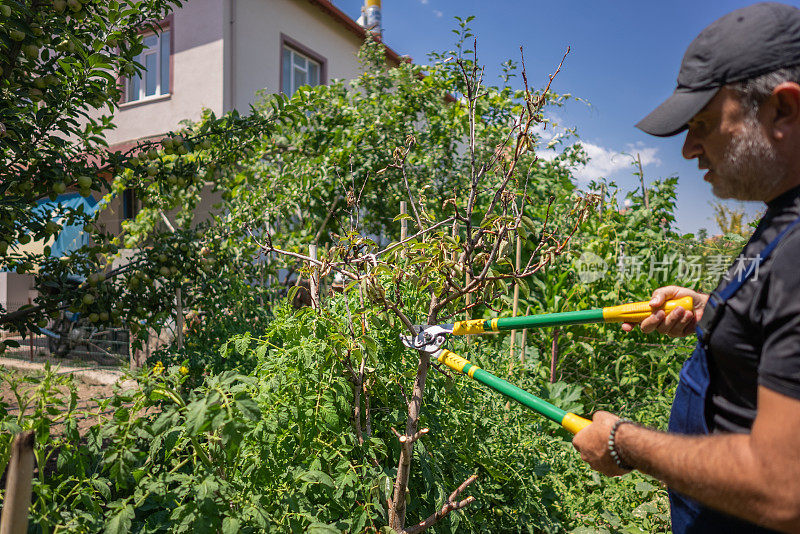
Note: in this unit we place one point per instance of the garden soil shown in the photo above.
(92, 386)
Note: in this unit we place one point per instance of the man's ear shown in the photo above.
(785, 101)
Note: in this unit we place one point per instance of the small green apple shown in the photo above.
(31, 50)
(84, 182)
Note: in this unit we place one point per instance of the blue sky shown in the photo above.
(624, 60)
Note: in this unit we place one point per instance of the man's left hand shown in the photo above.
(592, 443)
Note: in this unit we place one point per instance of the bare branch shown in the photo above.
(403, 392)
(331, 211)
(449, 506)
(441, 369)
(166, 221)
(415, 437)
(268, 247)
(421, 232)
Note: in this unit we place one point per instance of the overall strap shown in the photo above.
(729, 290)
(717, 298)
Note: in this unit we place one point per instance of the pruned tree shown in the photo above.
(459, 254)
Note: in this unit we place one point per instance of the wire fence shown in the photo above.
(72, 338)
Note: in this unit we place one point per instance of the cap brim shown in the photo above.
(670, 118)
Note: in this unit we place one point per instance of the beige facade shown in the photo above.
(197, 72)
(256, 44)
(226, 50)
(223, 52)
(15, 290)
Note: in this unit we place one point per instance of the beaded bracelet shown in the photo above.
(612, 444)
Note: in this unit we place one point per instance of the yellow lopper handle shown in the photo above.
(636, 312)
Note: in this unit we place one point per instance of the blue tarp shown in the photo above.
(72, 237)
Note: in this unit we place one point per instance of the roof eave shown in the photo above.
(340, 17)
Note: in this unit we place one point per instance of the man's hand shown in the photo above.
(592, 443)
(680, 322)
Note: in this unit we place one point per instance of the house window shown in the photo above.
(298, 69)
(154, 79)
(128, 204)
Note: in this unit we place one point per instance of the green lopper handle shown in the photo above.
(632, 312)
(568, 420)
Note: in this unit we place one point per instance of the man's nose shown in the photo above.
(691, 145)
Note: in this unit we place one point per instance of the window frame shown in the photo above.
(299, 48)
(129, 204)
(166, 24)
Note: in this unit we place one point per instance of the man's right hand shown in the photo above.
(680, 322)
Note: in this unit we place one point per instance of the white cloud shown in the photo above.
(423, 2)
(546, 134)
(603, 162)
(606, 162)
(438, 13)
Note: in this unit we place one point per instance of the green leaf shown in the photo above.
(321, 528)
(292, 293)
(102, 487)
(249, 408)
(206, 488)
(528, 222)
(196, 416)
(242, 343)
(317, 477)
(230, 525)
(120, 523)
(371, 345)
(644, 487)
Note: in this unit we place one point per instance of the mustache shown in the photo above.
(703, 162)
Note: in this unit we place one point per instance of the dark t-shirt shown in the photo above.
(757, 339)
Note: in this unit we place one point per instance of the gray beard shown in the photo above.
(750, 168)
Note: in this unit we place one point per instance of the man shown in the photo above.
(731, 458)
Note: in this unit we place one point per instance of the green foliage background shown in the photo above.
(250, 426)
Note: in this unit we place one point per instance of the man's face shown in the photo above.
(740, 159)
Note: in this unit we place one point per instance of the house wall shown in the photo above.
(255, 55)
(110, 218)
(197, 75)
(223, 51)
(14, 290)
(226, 50)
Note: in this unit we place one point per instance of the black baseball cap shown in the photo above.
(746, 43)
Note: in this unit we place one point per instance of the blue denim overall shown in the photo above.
(688, 411)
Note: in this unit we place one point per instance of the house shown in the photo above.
(216, 54)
